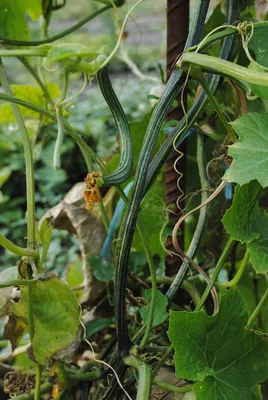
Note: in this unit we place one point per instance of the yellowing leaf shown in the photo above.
(32, 94)
(56, 317)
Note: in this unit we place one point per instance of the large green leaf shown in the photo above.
(56, 317)
(13, 24)
(160, 314)
(227, 360)
(245, 222)
(239, 219)
(250, 152)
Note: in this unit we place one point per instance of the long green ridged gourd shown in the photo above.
(128, 226)
(124, 168)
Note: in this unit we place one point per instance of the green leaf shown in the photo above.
(160, 314)
(56, 317)
(216, 19)
(98, 325)
(9, 274)
(152, 217)
(258, 45)
(48, 175)
(46, 229)
(13, 24)
(239, 219)
(4, 175)
(138, 129)
(31, 94)
(103, 270)
(34, 8)
(137, 262)
(260, 91)
(75, 276)
(245, 222)
(250, 152)
(227, 360)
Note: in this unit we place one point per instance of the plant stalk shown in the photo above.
(257, 309)
(216, 272)
(239, 274)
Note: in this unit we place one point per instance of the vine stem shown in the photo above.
(108, 59)
(163, 359)
(28, 162)
(38, 382)
(216, 106)
(239, 273)
(59, 35)
(13, 248)
(200, 224)
(78, 139)
(216, 272)
(31, 233)
(175, 389)
(145, 376)
(257, 309)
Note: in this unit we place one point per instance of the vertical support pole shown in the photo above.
(177, 31)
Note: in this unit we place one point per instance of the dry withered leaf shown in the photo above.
(71, 215)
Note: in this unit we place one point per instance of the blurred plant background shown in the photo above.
(89, 115)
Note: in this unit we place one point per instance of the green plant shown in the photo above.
(223, 355)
